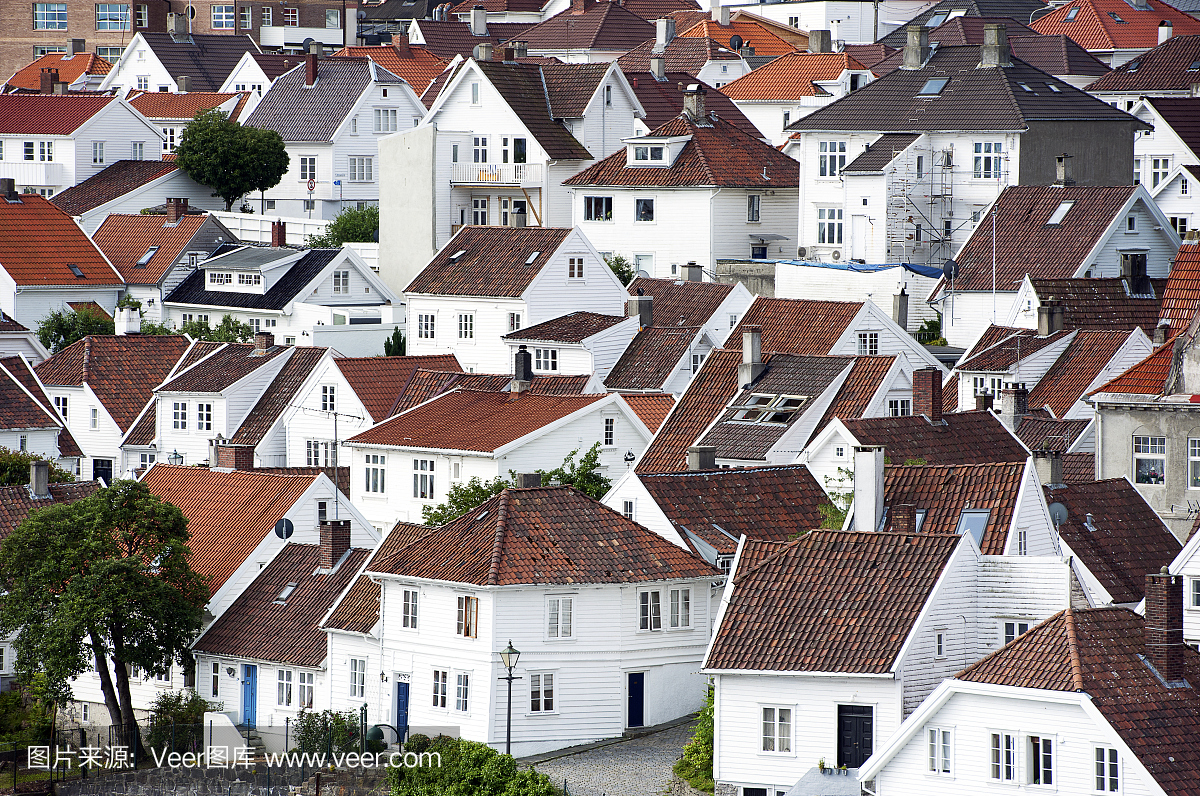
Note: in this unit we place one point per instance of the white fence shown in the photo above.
(254, 228)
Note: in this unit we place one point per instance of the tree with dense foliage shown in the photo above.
(696, 765)
(62, 327)
(396, 345)
(230, 158)
(352, 225)
(229, 330)
(584, 476)
(457, 767)
(104, 583)
(14, 468)
(621, 267)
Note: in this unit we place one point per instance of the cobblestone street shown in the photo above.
(639, 767)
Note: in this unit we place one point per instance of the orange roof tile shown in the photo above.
(1181, 297)
(126, 239)
(89, 306)
(379, 382)
(1070, 375)
(161, 105)
(1114, 24)
(224, 532)
(710, 389)
(419, 68)
(1148, 377)
(790, 77)
(70, 67)
(48, 244)
(754, 35)
(652, 408)
(798, 326)
(48, 114)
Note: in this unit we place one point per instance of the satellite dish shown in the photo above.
(284, 528)
(735, 43)
(362, 14)
(1058, 513)
(950, 269)
(642, 274)
(307, 43)
(801, 252)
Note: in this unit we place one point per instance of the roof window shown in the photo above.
(1074, 12)
(287, 592)
(145, 258)
(1061, 211)
(532, 257)
(1195, 67)
(1116, 18)
(1133, 66)
(937, 19)
(974, 522)
(1054, 88)
(933, 86)
(75, 270)
(1026, 87)
(769, 408)
(454, 257)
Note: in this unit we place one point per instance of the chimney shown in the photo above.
(478, 22)
(702, 457)
(400, 43)
(658, 68)
(310, 70)
(278, 234)
(48, 77)
(578, 6)
(752, 365)
(868, 488)
(694, 272)
(316, 48)
(60, 87)
(482, 52)
(900, 309)
(183, 83)
(927, 393)
(522, 371)
(510, 55)
(263, 342)
(176, 209)
(643, 308)
(1062, 170)
(177, 24)
(720, 13)
(335, 542)
(521, 49)
(664, 33)
(820, 41)
(8, 187)
(1050, 318)
(903, 518)
(983, 401)
(77, 46)
(994, 51)
(87, 359)
(1165, 29)
(528, 480)
(1049, 466)
(127, 320)
(746, 51)
(916, 51)
(693, 101)
(234, 457)
(1164, 625)
(1014, 404)
(39, 479)
(1161, 332)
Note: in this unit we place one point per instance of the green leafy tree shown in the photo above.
(352, 225)
(396, 345)
(229, 330)
(61, 328)
(584, 476)
(461, 498)
(156, 328)
(230, 158)
(14, 468)
(621, 267)
(465, 768)
(104, 582)
(696, 764)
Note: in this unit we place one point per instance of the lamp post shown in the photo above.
(509, 656)
(175, 458)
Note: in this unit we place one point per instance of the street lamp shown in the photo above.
(508, 657)
(629, 457)
(176, 457)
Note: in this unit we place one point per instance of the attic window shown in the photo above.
(973, 521)
(75, 270)
(1074, 12)
(287, 592)
(1054, 88)
(937, 19)
(1060, 212)
(532, 257)
(1133, 66)
(454, 257)
(933, 86)
(1025, 86)
(145, 258)
(1195, 67)
(1116, 18)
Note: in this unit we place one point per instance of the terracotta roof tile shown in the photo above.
(22, 403)
(50, 242)
(663, 100)
(379, 382)
(1006, 351)
(1103, 304)
(122, 177)
(261, 627)
(358, 610)
(472, 420)
(497, 6)
(418, 68)
(231, 362)
(543, 535)
(791, 76)
(89, 307)
(19, 369)
(718, 506)
(526, 89)
(1181, 297)
(682, 303)
(573, 328)
(961, 438)
(1047, 433)
(753, 34)
(651, 358)
(426, 384)
(70, 68)
(601, 26)
(448, 39)
(503, 250)
(1114, 24)
(831, 601)
(943, 491)
(162, 105)
(682, 54)
(705, 397)
(1079, 468)
(1167, 67)
(1148, 377)
(864, 381)
(798, 326)
(340, 476)
(48, 114)
(990, 336)
(868, 54)
(1126, 538)
(651, 408)
(1073, 372)
(16, 502)
(126, 239)
(278, 396)
(7, 324)
(122, 370)
(224, 532)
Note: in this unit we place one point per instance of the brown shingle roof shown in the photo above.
(122, 177)
(651, 358)
(798, 326)
(1075, 369)
(1148, 377)
(601, 26)
(663, 100)
(764, 503)
(682, 54)
(260, 627)
(1181, 296)
(831, 601)
(705, 397)
(1167, 67)
(651, 408)
(1103, 304)
(278, 395)
(1115, 532)
(543, 535)
(380, 382)
(682, 303)
(1079, 468)
(1003, 353)
(525, 87)
(22, 404)
(573, 328)
(865, 379)
(1046, 433)
(881, 152)
(945, 490)
(16, 502)
(19, 369)
(961, 438)
(125, 239)
(231, 362)
(206, 58)
(447, 39)
(340, 476)
(426, 384)
(494, 263)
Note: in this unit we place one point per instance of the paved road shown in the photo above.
(640, 767)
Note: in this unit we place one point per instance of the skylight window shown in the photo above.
(75, 270)
(287, 592)
(532, 257)
(457, 254)
(1133, 66)
(974, 522)
(777, 409)
(1195, 67)
(1116, 18)
(1060, 212)
(1074, 12)
(1054, 88)
(1026, 87)
(145, 258)
(937, 19)
(933, 86)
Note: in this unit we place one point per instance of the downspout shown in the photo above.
(712, 242)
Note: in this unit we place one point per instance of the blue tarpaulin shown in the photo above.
(931, 271)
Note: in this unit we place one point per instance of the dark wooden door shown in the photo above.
(856, 734)
(637, 699)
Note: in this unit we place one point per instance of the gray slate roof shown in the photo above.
(192, 290)
(300, 113)
(206, 58)
(882, 152)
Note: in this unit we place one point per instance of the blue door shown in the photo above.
(249, 694)
(637, 697)
(402, 709)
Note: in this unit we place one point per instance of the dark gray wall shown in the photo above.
(1102, 152)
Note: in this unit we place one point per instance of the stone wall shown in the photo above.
(228, 782)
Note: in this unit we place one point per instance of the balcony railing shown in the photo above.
(496, 173)
(291, 36)
(36, 173)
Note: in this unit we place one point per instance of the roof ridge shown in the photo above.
(1073, 649)
(498, 546)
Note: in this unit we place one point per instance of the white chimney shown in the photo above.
(127, 321)
(752, 365)
(720, 13)
(478, 22)
(868, 488)
(1165, 29)
(664, 33)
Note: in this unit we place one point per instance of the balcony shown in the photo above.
(285, 36)
(496, 174)
(34, 173)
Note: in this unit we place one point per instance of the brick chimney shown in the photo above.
(983, 401)
(87, 358)
(528, 480)
(335, 541)
(927, 394)
(904, 518)
(693, 101)
(263, 342)
(48, 78)
(868, 487)
(994, 50)
(578, 6)
(1014, 404)
(278, 234)
(916, 51)
(751, 366)
(702, 457)
(39, 479)
(1164, 624)
(176, 209)
(235, 457)
(310, 70)
(401, 45)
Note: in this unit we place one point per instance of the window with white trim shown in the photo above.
(514, 321)
(697, 361)
(610, 431)
(899, 407)
(316, 453)
(1041, 760)
(575, 268)
(97, 153)
(426, 325)
(643, 210)
(649, 610)
(375, 473)
(777, 729)
(1108, 770)
(113, 16)
(409, 611)
(832, 158)
(423, 479)
(680, 608)
(829, 225)
(1014, 629)
(989, 160)
(1196, 592)
(222, 17)
(1004, 757)
(462, 688)
(358, 677)
(939, 750)
(545, 359)
(204, 417)
(283, 691)
(466, 326)
(597, 208)
(291, 17)
(49, 16)
(362, 169)
(307, 685)
(308, 165)
(940, 644)
(179, 415)
(328, 397)
(1149, 459)
(627, 511)
(96, 418)
(468, 616)
(341, 283)
(440, 680)
(216, 679)
(558, 617)
(541, 693)
(1159, 167)
(868, 343)
(386, 120)
(753, 208)
(60, 403)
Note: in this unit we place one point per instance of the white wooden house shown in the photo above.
(28, 421)
(255, 73)
(584, 343)
(177, 61)
(1187, 565)
(130, 186)
(1163, 157)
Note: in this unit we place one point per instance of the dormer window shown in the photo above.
(253, 280)
(974, 522)
(650, 153)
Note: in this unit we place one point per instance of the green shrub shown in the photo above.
(696, 765)
(467, 768)
(327, 731)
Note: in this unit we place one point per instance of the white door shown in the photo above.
(858, 237)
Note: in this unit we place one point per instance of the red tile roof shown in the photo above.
(19, 369)
(791, 77)
(651, 408)
(122, 177)
(229, 363)
(1008, 350)
(89, 306)
(798, 326)
(494, 263)
(48, 114)
(753, 34)
(682, 54)
(125, 239)
(1148, 377)
(543, 535)
(224, 532)
(162, 105)
(340, 476)
(358, 610)
(764, 503)
(831, 601)
(1114, 24)
(1100, 651)
(70, 67)
(1079, 468)
(1103, 304)
(961, 438)
(663, 100)
(868, 54)
(259, 626)
(682, 303)
(856, 392)
(1047, 433)
(426, 384)
(447, 39)
(700, 404)
(473, 420)
(380, 382)
(279, 395)
(573, 328)
(22, 404)
(419, 68)
(17, 502)
(1165, 68)
(601, 26)
(945, 490)
(651, 358)
(49, 243)
(1125, 538)
(122, 370)
(1181, 297)
(1073, 372)
(718, 154)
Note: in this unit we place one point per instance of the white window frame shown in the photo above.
(610, 432)
(97, 153)
(328, 397)
(649, 611)
(462, 692)
(1012, 629)
(410, 608)
(1193, 463)
(362, 168)
(1150, 448)
(376, 473)
(679, 608)
(829, 225)
(385, 120)
(780, 719)
(467, 621)
(204, 413)
(542, 697)
(1107, 772)
(178, 415)
(216, 679)
(868, 344)
(989, 160)
(545, 359)
(831, 159)
(305, 688)
(466, 326)
(284, 692)
(941, 753)
(899, 407)
(423, 479)
(514, 321)
(1004, 764)
(223, 17)
(341, 283)
(1041, 768)
(560, 617)
(358, 678)
(753, 208)
(426, 325)
(629, 509)
(441, 682)
(575, 267)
